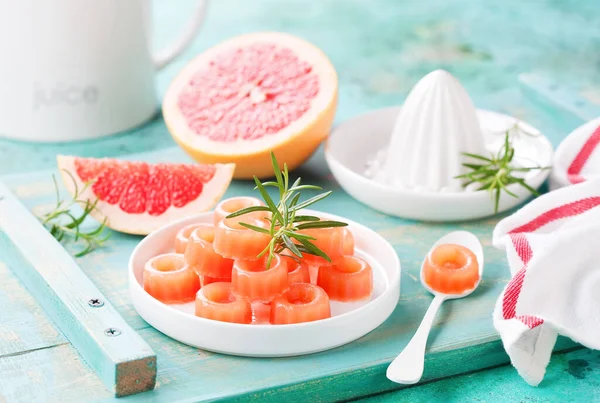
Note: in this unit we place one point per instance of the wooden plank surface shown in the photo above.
(462, 340)
(571, 377)
(380, 48)
(120, 358)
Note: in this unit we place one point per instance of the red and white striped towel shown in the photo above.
(553, 248)
(577, 158)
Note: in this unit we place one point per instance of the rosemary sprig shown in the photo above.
(285, 220)
(66, 226)
(496, 172)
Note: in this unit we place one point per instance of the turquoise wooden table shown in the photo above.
(380, 49)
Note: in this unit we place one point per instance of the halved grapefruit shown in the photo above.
(137, 197)
(250, 95)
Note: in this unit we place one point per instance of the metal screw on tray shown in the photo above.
(112, 332)
(95, 302)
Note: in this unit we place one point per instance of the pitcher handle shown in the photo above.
(166, 55)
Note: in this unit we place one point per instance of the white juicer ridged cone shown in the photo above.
(437, 123)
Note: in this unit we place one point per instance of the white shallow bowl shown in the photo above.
(349, 321)
(353, 142)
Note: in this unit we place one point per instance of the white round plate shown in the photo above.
(349, 321)
(353, 142)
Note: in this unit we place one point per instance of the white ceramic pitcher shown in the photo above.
(79, 69)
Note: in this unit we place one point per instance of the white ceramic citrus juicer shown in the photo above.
(437, 123)
(404, 160)
(408, 367)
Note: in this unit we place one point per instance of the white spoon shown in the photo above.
(407, 368)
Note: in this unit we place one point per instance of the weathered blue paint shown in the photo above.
(462, 340)
(570, 377)
(380, 49)
(572, 107)
(124, 362)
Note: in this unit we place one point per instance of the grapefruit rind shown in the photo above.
(292, 145)
(143, 224)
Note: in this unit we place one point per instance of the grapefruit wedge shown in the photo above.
(137, 197)
(250, 95)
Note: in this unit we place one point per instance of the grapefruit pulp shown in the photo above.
(138, 197)
(250, 95)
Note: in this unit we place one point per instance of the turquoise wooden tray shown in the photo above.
(118, 355)
(463, 338)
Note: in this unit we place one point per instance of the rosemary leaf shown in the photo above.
(301, 218)
(306, 187)
(74, 221)
(285, 212)
(510, 192)
(478, 157)
(321, 224)
(497, 199)
(255, 228)
(297, 235)
(314, 249)
(268, 199)
(290, 245)
(297, 185)
(57, 192)
(526, 186)
(276, 170)
(265, 250)
(248, 210)
(312, 200)
(474, 166)
(285, 173)
(294, 201)
(271, 254)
